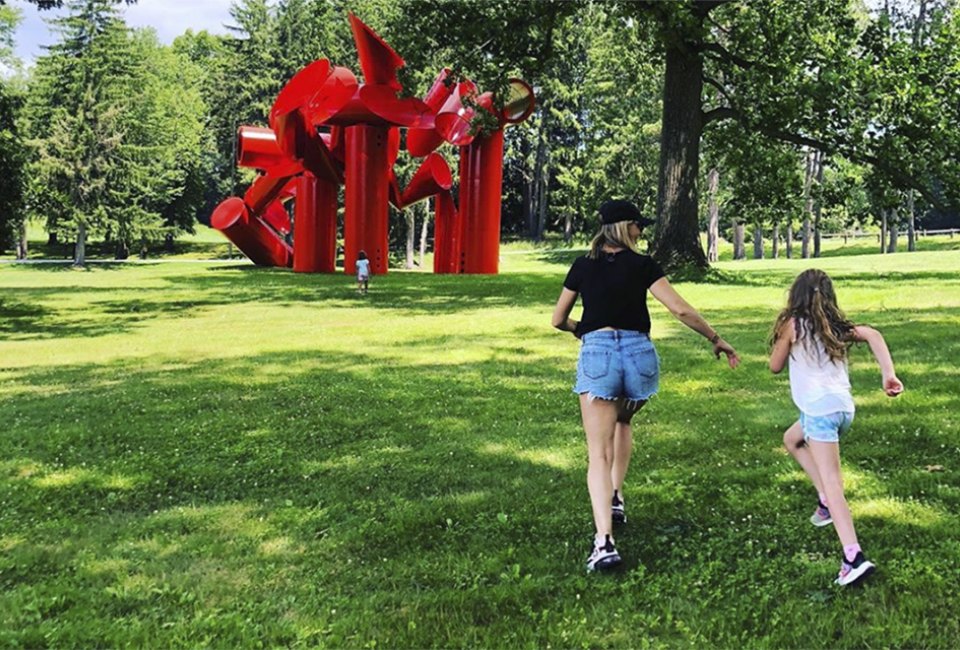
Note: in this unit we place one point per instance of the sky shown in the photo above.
(169, 17)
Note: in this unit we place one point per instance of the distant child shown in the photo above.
(814, 335)
(363, 273)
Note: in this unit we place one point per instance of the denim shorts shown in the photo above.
(617, 363)
(825, 428)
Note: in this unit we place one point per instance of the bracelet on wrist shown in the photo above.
(715, 338)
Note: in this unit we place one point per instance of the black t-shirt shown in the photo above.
(613, 288)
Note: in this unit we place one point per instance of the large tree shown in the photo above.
(813, 73)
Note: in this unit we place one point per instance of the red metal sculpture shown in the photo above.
(327, 130)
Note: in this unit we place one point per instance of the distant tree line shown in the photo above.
(773, 121)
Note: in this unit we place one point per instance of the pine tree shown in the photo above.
(72, 119)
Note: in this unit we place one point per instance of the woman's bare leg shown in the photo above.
(623, 442)
(599, 423)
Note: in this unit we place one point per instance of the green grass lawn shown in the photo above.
(213, 454)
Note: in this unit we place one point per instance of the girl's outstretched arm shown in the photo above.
(663, 291)
(892, 386)
(781, 347)
(561, 313)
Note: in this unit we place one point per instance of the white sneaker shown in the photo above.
(604, 556)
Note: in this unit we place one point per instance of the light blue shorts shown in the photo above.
(617, 363)
(825, 428)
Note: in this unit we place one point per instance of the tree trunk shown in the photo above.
(676, 243)
(121, 251)
(757, 242)
(911, 224)
(542, 183)
(807, 204)
(713, 216)
(80, 249)
(775, 241)
(818, 204)
(789, 241)
(527, 188)
(540, 179)
(423, 230)
(529, 206)
(52, 238)
(22, 246)
(892, 231)
(739, 250)
(883, 230)
(411, 220)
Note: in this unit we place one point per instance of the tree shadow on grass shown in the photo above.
(414, 294)
(183, 294)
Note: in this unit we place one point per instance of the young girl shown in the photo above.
(363, 272)
(815, 335)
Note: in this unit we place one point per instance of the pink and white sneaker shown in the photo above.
(853, 572)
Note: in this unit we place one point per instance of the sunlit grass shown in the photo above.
(219, 455)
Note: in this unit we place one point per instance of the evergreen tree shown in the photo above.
(73, 119)
(104, 161)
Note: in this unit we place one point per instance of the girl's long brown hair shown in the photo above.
(612, 234)
(813, 303)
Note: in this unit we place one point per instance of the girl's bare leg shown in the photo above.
(800, 450)
(826, 457)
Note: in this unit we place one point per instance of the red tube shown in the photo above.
(336, 143)
(318, 84)
(317, 157)
(378, 61)
(453, 121)
(335, 92)
(315, 221)
(258, 241)
(447, 227)
(481, 176)
(420, 142)
(432, 177)
(257, 148)
(366, 193)
(380, 105)
(275, 215)
(520, 102)
(263, 191)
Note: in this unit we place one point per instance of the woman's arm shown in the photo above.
(781, 348)
(663, 291)
(561, 313)
(892, 386)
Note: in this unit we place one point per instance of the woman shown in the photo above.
(618, 368)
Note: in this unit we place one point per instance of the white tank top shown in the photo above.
(818, 385)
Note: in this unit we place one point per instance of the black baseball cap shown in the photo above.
(617, 210)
